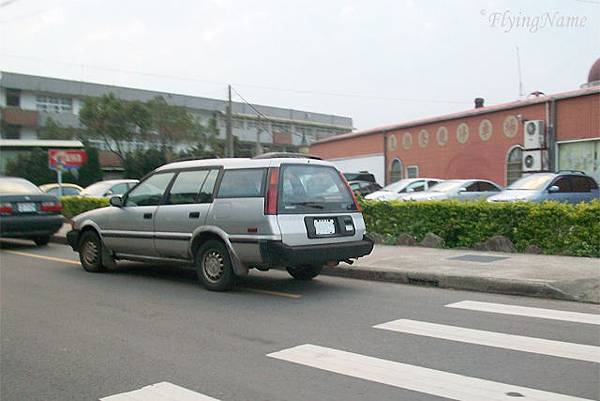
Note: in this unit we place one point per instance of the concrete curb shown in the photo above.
(539, 289)
(565, 291)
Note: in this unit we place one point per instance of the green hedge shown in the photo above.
(74, 205)
(557, 228)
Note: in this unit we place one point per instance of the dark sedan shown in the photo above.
(27, 212)
(363, 188)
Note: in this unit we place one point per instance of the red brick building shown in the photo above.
(484, 142)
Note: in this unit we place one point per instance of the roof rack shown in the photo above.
(286, 155)
(571, 171)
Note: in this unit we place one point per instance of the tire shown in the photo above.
(213, 266)
(304, 273)
(41, 241)
(90, 252)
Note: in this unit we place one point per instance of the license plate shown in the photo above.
(26, 207)
(324, 226)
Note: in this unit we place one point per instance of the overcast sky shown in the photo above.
(378, 62)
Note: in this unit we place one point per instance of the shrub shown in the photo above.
(557, 228)
(74, 205)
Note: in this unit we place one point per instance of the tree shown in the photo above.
(174, 124)
(139, 163)
(91, 171)
(33, 166)
(115, 121)
(53, 130)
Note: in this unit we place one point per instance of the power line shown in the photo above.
(247, 85)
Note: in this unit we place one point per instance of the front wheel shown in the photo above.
(304, 273)
(213, 266)
(90, 252)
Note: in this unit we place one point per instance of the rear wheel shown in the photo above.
(306, 272)
(90, 252)
(213, 266)
(41, 241)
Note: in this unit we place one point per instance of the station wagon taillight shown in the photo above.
(51, 207)
(272, 189)
(6, 208)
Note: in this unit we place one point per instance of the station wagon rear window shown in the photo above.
(313, 189)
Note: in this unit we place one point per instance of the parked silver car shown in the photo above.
(225, 216)
(108, 188)
(406, 186)
(457, 189)
(563, 186)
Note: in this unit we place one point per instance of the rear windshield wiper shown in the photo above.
(307, 204)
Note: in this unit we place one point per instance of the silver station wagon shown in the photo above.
(225, 216)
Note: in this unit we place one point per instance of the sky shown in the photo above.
(379, 62)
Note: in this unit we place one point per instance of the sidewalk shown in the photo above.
(558, 277)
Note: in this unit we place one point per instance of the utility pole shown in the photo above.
(228, 127)
(258, 130)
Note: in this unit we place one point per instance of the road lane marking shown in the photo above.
(276, 293)
(534, 345)
(33, 255)
(163, 391)
(416, 378)
(505, 309)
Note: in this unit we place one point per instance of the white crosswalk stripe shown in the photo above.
(534, 345)
(515, 310)
(163, 391)
(415, 378)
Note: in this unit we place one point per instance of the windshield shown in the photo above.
(313, 189)
(532, 182)
(447, 186)
(17, 186)
(396, 186)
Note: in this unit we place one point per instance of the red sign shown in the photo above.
(66, 158)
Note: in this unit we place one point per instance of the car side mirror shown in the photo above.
(553, 188)
(116, 201)
(462, 190)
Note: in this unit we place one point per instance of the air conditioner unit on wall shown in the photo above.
(535, 160)
(534, 134)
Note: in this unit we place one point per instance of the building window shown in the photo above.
(514, 164)
(10, 131)
(412, 172)
(13, 97)
(396, 170)
(237, 123)
(54, 104)
(251, 124)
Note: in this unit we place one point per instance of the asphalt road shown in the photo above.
(71, 335)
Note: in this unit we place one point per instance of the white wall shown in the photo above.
(374, 164)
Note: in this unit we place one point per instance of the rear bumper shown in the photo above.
(30, 226)
(277, 253)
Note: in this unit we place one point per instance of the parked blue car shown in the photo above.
(564, 186)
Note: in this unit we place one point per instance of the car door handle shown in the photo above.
(147, 215)
(194, 215)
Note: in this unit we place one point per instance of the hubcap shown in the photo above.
(90, 252)
(213, 265)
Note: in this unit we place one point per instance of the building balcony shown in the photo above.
(17, 116)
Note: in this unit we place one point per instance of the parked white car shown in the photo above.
(472, 189)
(397, 189)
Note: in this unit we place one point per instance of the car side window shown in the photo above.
(593, 183)
(208, 188)
(118, 189)
(186, 187)
(432, 183)
(581, 184)
(418, 186)
(150, 191)
(245, 183)
(563, 184)
(487, 187)
(474, 187)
